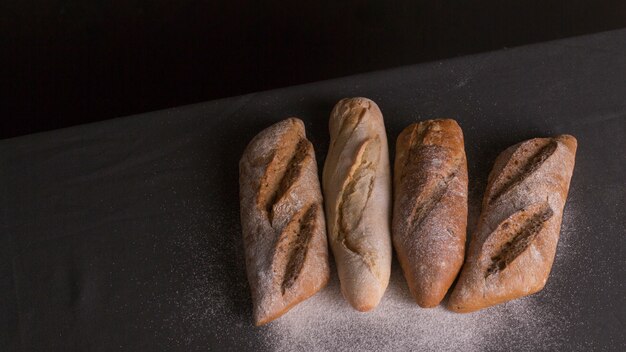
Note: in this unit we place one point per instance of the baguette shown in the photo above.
(430, 207)
(515, 242)
(357, 191)
(282, 220)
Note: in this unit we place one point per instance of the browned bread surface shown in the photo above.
(514, 245)
(282, 220)
(430, 207)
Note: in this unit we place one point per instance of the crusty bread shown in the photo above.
(513, 248)
(357, 191)
(282, 220)
(430, 207)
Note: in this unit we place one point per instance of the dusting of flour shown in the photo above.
(326, 322)
(213, 306)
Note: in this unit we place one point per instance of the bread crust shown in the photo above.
(430, 207)
(357, 191)
(513, 247)
(282, 220)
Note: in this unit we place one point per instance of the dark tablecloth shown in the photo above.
(125, 235)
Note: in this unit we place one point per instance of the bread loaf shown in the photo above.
(512, 250)
(282, 220)
(357, 191)
(430, 207)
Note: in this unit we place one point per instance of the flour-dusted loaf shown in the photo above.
(282, 219)
(357, 192)
(430, 207)
(512, 250)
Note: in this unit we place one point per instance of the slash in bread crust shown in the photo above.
(357, 191)
(513, 248)
(282, 220)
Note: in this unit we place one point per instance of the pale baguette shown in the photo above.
(357, 191)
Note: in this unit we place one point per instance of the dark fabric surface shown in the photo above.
(125, 235)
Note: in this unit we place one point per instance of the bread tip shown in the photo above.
(275, 130)
(295, 120)
(364, 302)
(362, 101)
(447, 122)
(366, 307)
(426, 303)
(260, 320)
(569, 140)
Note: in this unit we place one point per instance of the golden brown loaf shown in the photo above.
(430, 207)
(357, 191)
(512, 250)
(282, 220)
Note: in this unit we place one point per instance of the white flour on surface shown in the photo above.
(326, 322)
(214, 307)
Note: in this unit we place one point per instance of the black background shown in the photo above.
(69, 62)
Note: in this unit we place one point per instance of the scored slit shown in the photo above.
(533, 164)
(415, 139)
(294, 169)
(421, 210)
(356, 193)
(519, 241)
(349, 123)
(281, 174)
(297, 244)
(417, 160)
